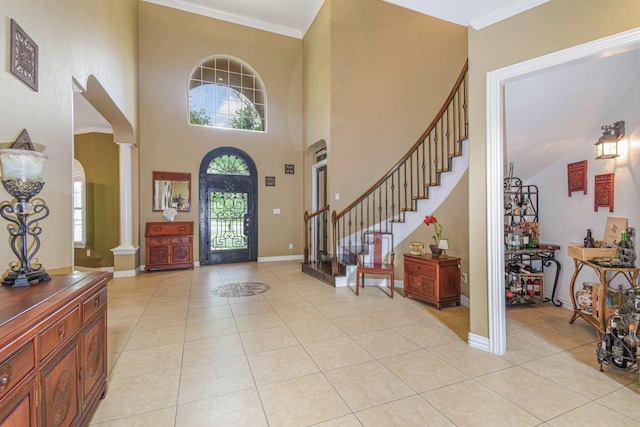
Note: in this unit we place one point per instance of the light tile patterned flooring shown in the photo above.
(305, 354)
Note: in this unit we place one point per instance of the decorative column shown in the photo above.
(125, 253)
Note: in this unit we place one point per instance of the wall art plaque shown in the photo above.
(603, 191)
(24, 56)
(577, 177)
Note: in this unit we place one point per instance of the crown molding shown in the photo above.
(229, 17)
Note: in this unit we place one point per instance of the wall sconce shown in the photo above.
(22, 170)
(444, 245)
(607, 145)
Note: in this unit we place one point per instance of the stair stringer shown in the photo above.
(413, 219)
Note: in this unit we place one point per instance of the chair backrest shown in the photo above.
(380, 247)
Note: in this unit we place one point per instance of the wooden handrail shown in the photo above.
(307, 229)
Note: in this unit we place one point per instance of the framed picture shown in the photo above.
(270, 181)
(603, 191)
(24, 56)
(577, 177)
(289, 169)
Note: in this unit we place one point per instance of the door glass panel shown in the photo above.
(228, 220)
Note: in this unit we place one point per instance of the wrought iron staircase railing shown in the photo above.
(399, 190)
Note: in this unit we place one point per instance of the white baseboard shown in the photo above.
(124, 273)
(281, 258)
(479, 342)
(80, 268)
(465, 301)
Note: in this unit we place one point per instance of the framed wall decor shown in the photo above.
(289, 169)
(270, 181)
(24, 56)
(603, 191)
(577, 177)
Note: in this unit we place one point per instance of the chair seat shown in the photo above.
(371, 266)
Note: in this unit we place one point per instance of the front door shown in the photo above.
(228, 208)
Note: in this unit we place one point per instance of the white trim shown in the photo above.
(230, 17)
(124, 273)
(281, 258)
(478, 342)
(94, 129)
(125, 250)
(504, 12)
(496, 80)
(81, 268)
(465, 301)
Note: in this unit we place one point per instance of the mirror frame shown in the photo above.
(174, 177)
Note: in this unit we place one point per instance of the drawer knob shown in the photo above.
(96, 302)
(62, 330)
(5, 377)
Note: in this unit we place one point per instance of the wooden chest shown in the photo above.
(53, 351)
(169, 245)
(430, 279)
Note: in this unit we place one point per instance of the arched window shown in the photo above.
(226, 93)
(79, 205)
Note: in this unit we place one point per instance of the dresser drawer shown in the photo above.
(62, 328)
(422, 269)
(169, 228)
(158, 241)
(94, 304)
(181, 240)
(15, 368)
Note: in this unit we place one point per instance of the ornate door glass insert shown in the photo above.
(228, 165)
(228, 221)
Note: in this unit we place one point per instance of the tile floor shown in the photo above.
(306, 354)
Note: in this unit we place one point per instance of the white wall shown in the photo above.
(566, 219)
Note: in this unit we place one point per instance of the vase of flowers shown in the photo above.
(170, 214)
(431, 220)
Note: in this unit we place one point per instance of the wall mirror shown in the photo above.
(171, 190)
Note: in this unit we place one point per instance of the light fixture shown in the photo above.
(444, 245)
(607, 145)
(22, 169)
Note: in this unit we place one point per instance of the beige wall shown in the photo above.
(99, 157)
(545, 29)
(172, 43)
(77, 40)
(391, 71)
(453, 215)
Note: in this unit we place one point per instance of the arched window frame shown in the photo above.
(219, 87)
(79, 205)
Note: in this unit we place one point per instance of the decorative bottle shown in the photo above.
(631, 340)
(588, 241)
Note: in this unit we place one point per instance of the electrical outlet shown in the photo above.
(464, 277)
(290, 245)
(88, 252)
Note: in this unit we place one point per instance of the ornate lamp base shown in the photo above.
(18, 280)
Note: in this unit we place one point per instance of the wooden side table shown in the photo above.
(431, 279)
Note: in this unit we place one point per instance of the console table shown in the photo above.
(598, 316)
(432, 279)
(169, 245)
(53, 351)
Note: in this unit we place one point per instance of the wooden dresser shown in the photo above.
(53, 351)
(430, 279)
(169, 245)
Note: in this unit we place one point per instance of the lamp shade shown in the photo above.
(607, 148)
(444, 244)
(22, 165)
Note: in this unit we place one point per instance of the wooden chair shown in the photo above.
(371, 257)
